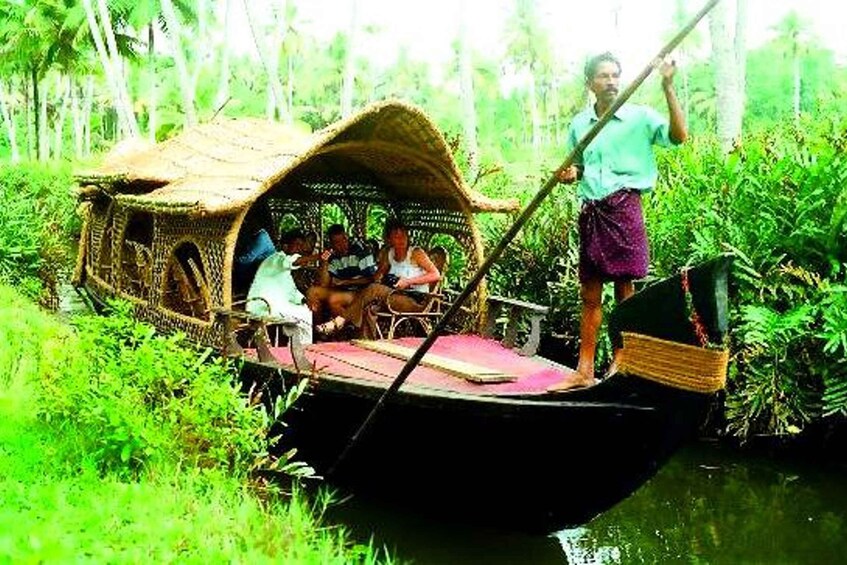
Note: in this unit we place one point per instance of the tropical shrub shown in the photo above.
(778, 203)
(133, 399)
(37, 226)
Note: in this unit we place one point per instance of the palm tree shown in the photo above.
(349, 77)
(728, 34)
(37, 37)
(466, 88)
(292, 46)
(692, 42)
(793, 38)
(8, 118)
(222, 94)
(104, 37)
(528, 50)
(270, 62)
(186, 84)
(153, 16)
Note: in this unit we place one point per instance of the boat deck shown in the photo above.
(455, 363)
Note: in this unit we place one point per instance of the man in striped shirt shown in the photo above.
(346, 267)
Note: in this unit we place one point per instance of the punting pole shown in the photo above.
(516, 227)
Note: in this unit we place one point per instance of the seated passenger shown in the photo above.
(346, 267)
(273, 292)
(401, 267)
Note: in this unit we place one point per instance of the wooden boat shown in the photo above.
(473, 427)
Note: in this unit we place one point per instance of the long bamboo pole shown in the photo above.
(513, 231)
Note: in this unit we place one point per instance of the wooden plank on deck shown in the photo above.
(468, 371)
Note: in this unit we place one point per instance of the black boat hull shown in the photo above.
(519, 463)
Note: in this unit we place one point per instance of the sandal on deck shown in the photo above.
(328, 328)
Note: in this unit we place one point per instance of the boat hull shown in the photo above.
(530, 463)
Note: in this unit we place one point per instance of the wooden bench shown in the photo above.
(516, 311)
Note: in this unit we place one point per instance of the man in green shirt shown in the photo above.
(613, 171)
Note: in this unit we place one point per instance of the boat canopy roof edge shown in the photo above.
(224, 166)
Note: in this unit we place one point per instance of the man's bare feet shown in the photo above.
(575, 380)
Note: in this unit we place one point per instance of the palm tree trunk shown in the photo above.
(185, 88)
(76, 119)
(203, 53)
(25, 84)
(349, 77)
(36, 113)
(467, 94)
(740, 46)
(796, 79)
(87, 103)
(222, 95)
(152, 87)
(125, 111)
(273, 78)
(290, 81)
(534, 114)
(9, 119)
(724, 62)
(43, 128)
(120, 96)
(63, 83)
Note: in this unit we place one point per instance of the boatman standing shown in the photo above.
(613, 171)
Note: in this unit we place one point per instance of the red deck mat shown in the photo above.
(346, 359)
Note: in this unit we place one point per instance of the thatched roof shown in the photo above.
(224, 166)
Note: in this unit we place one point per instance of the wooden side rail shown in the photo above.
(516, 310)
(259, 326)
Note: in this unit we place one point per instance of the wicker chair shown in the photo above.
(262, 332)
(435, 302)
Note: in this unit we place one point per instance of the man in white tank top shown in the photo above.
(401, 267)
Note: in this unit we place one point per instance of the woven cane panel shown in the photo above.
(120, 220)
(357, 217)
(335, 191)
(100, 288)
(209, 235)
(308, 214)
(395, 126)
(133, 265)
(405, 175)
(100, 242)
(104, 261)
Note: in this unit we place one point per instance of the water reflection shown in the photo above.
(715, 506)
(707, 505)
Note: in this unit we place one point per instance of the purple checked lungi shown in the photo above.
(612, 239)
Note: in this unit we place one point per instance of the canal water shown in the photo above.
(708, 504)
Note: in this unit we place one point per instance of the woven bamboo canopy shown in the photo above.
(389, 152)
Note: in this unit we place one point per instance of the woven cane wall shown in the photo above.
(210, 236)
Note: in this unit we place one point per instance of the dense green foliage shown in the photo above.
(37, 223)
(131, 398)
(129, 459)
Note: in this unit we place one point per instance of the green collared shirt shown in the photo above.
(621, 156)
